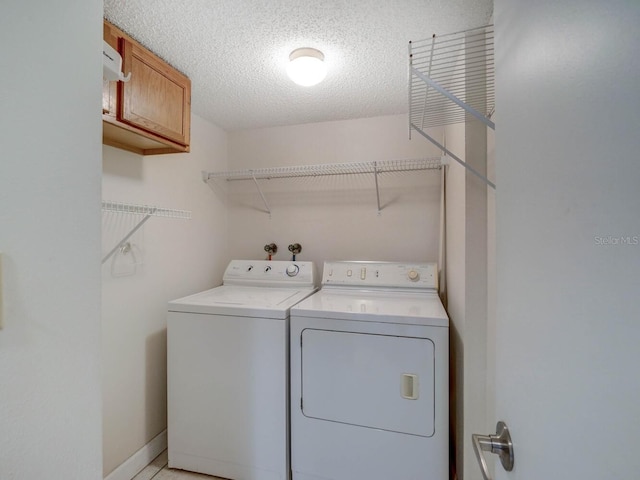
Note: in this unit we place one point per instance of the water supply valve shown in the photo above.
(271, 249)
(295, 248)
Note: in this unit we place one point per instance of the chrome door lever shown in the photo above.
(500, 444)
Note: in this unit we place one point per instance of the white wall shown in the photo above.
(50, 127)
(335, 218)
(476, 293)
(490, 380)
(179, 257)
(468, 288)
(455, 253)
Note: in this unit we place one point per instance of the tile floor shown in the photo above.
(158, 470)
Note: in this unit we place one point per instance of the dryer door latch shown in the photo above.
(409, 386)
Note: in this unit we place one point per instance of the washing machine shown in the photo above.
(228, 372)
(369, 375)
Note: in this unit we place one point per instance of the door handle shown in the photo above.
(500, 444)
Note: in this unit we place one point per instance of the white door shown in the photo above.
(568, 237)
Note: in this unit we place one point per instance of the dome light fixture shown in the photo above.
(306, 66)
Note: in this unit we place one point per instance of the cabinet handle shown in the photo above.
(500, 444)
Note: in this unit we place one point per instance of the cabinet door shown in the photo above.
(109, 89)
(157, 98)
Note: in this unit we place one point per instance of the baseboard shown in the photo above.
(143, 457)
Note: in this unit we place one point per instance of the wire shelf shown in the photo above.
(147, 211)
(327, 169)
(452, 76)
(151, 210)
(375, 168)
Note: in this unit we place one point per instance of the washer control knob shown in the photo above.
(413, 275)
(292, 270)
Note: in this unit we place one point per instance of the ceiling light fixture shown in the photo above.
(306, 66)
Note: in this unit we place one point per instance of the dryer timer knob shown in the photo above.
(292, 270)
(413, 275)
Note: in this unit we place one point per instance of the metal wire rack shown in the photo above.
(452, 76)
(327, 169)
(452, 79)
(355, 168)
(152, 210)
(147, 210)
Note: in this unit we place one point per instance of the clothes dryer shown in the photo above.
(228, 372)
(369, 375)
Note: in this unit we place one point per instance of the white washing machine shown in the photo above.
(228, 372)
(369, 375)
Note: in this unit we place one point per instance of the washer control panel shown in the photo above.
(264, 272)
(381, 274)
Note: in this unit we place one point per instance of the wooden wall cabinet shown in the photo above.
(151, 113)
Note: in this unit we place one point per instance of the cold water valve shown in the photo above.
(295, 248)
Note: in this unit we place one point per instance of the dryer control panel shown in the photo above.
(381, 275)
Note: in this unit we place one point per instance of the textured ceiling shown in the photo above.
(236, 51)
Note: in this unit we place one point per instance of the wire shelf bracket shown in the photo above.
(264, 200)
(452, 79)
(375, 168)
(456, 158)
(147, 211)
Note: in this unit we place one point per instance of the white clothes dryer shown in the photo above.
(228, 372)
(369, 375)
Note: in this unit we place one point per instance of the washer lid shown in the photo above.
(421, 308)
(264, 302)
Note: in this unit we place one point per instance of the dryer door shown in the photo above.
(369, 380)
